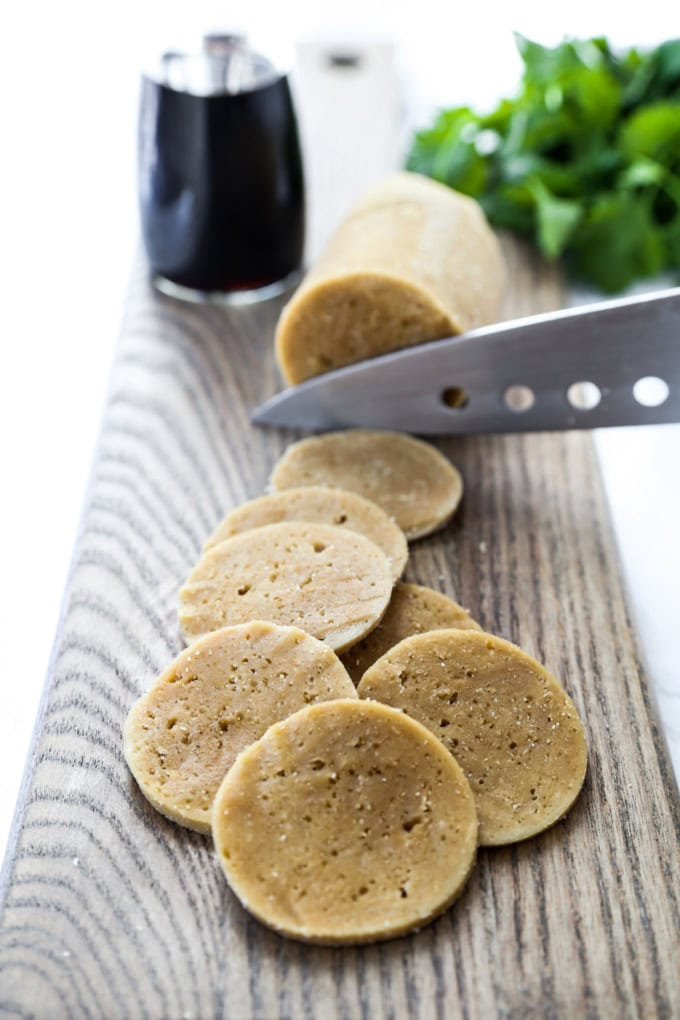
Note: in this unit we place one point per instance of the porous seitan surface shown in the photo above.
(413, 609)
(333, 583)
(216, 698)
(512, 728)
(413, 261)
(347, 822)
(322, 505)
(410, 479)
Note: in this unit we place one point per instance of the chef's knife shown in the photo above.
(612, 363)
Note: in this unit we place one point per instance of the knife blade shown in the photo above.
(611, 363)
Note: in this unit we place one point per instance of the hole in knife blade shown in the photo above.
(455, 397)
(519, 398)
(584, 396)
(651, 391)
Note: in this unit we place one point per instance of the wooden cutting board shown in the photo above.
(110, 911)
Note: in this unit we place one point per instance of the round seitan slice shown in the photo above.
(323, 505)
(413, 609)
(413, 261)
(215, 699)
(348, 822)
(512, 728)
(333, 583)
(411, 480)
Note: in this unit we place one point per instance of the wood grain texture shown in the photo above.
(110, 911)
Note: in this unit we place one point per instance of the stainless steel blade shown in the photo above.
(611, 346)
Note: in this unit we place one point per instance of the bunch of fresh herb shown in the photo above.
(585, 159)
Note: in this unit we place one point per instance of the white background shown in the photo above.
(68, 229)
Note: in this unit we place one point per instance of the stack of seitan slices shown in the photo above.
(347, 797)
(331, 810)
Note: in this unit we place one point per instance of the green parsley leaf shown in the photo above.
(584, 159)
(671, 240)
(653, 131)
(618, 242)
(556, 217)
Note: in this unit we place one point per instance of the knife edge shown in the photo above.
(610, 344)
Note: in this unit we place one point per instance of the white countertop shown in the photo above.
(69, 230)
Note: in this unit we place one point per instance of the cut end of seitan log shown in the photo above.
(413, 261)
